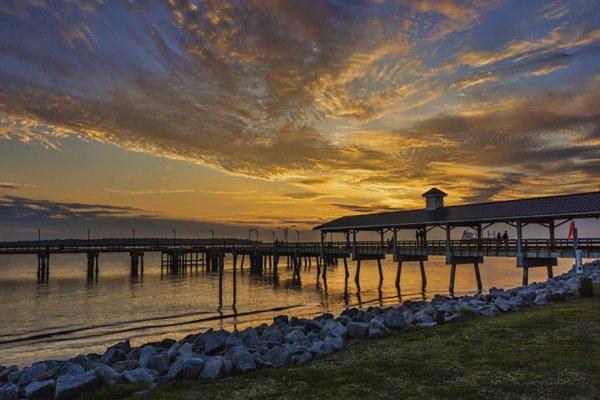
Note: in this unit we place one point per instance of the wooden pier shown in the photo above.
(550, 212)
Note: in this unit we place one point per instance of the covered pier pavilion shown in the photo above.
(548, 212)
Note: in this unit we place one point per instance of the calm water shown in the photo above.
(69, 315)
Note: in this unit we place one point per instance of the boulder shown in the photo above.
(336, 343)
(336, 328)
(233, 341)
(6, 371)
(106, 374)
(215, 342)
(9, 391)
(192, 367)
(157, 363)
(278, 356)
(71, 386)
(241, 359)
(124, 345)
(261, 362)
(213, 368)
(134, 354)
(321, 349)
(31, 374)
(41, 390)
(176, 370)
(138, 375)
(357, 330)
(487, 312)
(395, 322)
(82, 360)
(113, 355)
(502, 304)
(70, 368)
(126, 365)
(295, 335)
(186, 350)
(146, 354)
(281, 319)
(312, 326)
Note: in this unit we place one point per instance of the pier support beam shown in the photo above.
(401, 258)
(43, 272)
(137, 262)
(526, 263)
(92, 265)
(453, 261)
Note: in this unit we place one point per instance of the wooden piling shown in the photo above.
(550, 272)
(478, 277)
(452, 276)
(380, 271)
(398, 272)
(346, 268)
(357, 275)
(423, 276)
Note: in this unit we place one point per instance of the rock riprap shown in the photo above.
(218, 353)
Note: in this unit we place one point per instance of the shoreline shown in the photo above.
(219, 353)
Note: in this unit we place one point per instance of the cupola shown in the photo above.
(434, 199)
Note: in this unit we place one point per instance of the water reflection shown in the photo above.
(92, 313)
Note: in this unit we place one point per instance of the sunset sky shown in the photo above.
(200, 115)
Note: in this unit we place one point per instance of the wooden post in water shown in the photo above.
(398, 272)
(423, 276)
(379, 268)
(346, 267)
(357, 275)
(550, 273)
(452, 276)
(478, 277)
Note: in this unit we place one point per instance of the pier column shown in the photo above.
(550, 273)
(478, 277)
(452, 276)
(92, 265)
(346, 267)
(398, 272)
(357, 275)
(423, 276)
(43, 272)
(379, 268)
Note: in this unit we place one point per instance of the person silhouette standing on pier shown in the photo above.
(505, 239)
(417, 236)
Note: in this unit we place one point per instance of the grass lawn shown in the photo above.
(549, 353)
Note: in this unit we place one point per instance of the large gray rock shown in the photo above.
(281, 319)
(502, 305)
(9, 391)
(241, 359)
(357, 330)
(395, 321)
(312, 326)
(278, 356)
(215, 342)
(139, 375)
(106, 374)
(336, 343)
(186, 351)
(158, 363)
(83, 361)
(233, 341)
(295, 335)
(321, 349)
(192, 367)
(113, 355)
(336, 328)
(126, 365)
(42, 390)
(213, 368)
(146, 354)
(6, 371)
(31, 374)
(177, 370)
(71, 386)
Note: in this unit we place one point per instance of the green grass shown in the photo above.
(549, 353)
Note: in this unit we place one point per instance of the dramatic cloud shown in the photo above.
(483, 98)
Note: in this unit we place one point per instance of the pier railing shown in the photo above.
(490, 247)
